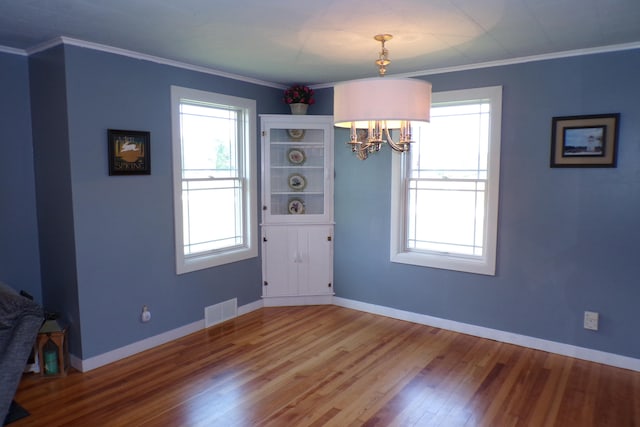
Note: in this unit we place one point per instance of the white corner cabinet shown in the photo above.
(297, 209)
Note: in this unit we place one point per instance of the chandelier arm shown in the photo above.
(396, 147)
(362, 148)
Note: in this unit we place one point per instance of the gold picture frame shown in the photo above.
(585, 141)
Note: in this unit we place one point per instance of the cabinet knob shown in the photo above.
(266, 283)
(328, 238)
(264, 208)
(264, 239)
(329, 285)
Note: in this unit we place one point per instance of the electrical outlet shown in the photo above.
(146, 314)
(591, 320)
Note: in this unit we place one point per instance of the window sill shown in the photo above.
(479, 265)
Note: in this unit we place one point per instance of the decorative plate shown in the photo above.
(295, 133)
(297, 182)
(296, 156)
(296, 207)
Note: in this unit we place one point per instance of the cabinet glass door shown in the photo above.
(296, 171)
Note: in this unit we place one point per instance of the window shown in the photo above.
(445, 190)
(214, 177)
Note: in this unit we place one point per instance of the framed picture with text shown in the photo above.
(129, 152)
(584, 141)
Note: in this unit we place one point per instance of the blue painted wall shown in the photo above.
(568, 238)
(121, 227)
(53, 189)
(19, 256)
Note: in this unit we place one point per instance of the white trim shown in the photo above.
(496, 334)
(45, 45)
(421, 73)
(298, 300)
(485, 264)
(85, 365)
(13, 50)
(248, 308)
(151, 58)
(422, 319)
(525, 59)
(511, 61)
(247, 154)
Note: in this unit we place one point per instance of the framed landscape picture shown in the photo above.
(585, 141)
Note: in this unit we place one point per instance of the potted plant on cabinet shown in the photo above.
(299, 97)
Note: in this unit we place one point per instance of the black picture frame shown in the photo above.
(129, 152)
(589, 141)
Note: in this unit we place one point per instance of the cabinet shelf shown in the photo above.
(297, 167)
(306, 144)
(309, 156)
(297, 193)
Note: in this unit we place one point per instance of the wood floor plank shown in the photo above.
(332, 366)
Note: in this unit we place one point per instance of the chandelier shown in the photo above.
(373, 107)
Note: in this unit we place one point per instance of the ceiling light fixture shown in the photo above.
(372, 107)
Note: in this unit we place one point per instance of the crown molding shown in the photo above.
(512, 61)
(13, 50)
(427, 72)
(44, 46)
(144, 57)
(525, 59)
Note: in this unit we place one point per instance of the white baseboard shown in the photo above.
(495, 334)
(465, 328)
(248, 308)
(297, 300)
(84, 365)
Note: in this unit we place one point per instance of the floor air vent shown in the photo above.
(220, 312)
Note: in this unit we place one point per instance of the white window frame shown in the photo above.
(247, 149)
(485, 264)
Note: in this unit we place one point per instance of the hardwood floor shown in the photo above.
(332, 366)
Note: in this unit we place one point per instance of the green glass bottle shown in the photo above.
(50, 356)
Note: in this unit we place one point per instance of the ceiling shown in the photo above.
(318, 42)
